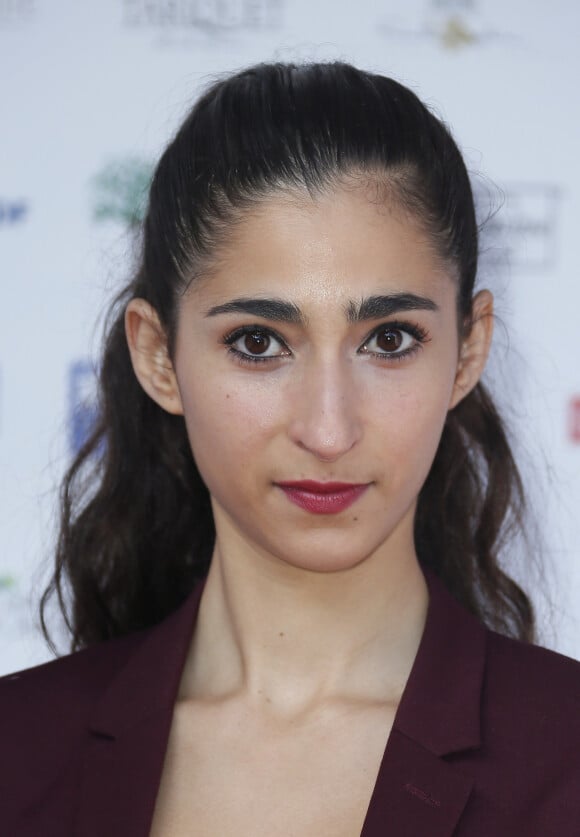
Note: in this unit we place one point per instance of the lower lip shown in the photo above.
(331, 503)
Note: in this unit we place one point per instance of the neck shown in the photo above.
(293, 638)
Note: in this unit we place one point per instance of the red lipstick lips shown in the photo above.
(323, 497)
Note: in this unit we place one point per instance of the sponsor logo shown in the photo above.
(7, 582)
(208, 17)
(14, 12)
(14, 616)
(522, 232)
(453, 24)
(12, 212)
(574, 420)
(120, 191)
(82, 404)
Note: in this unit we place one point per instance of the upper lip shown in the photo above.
(320, 487)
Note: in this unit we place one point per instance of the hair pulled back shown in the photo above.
(136, 527)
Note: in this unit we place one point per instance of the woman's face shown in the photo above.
(324, 348)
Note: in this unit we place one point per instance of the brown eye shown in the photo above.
(389, 340)
(256, 343)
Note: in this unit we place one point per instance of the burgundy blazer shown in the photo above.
(485, 743)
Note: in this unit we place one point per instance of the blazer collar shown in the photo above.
(439, 714)
(417, 791)
(150, 680)
(440, 706)
(129, 731)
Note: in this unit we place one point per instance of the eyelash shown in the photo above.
(232, 338)
(416, 331)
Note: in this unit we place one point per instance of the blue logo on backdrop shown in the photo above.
(82, 403)
(12, 212)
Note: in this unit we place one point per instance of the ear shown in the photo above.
(474, 348)
(150, 356)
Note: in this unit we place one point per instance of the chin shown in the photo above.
(324, 559)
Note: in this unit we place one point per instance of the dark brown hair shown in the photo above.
(136, 523)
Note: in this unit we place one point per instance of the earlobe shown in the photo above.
(474, 348)
(150, 356)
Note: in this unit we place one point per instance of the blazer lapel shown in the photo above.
(120, 780)
(129, 730)
(417, 792)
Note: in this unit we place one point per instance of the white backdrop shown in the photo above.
(91, 93)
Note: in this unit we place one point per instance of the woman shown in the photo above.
(287, 524)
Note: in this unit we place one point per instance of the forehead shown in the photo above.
(326, 250)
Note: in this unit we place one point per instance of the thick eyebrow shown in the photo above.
(269, 309)
(375, 307)
(369, 308)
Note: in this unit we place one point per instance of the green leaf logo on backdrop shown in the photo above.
(456, 33)
(120, 191)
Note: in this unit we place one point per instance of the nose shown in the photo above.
(326, 411)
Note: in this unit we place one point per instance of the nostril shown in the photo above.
(326, 413)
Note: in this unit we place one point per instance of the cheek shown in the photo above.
(412, 419)
(226, 420)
